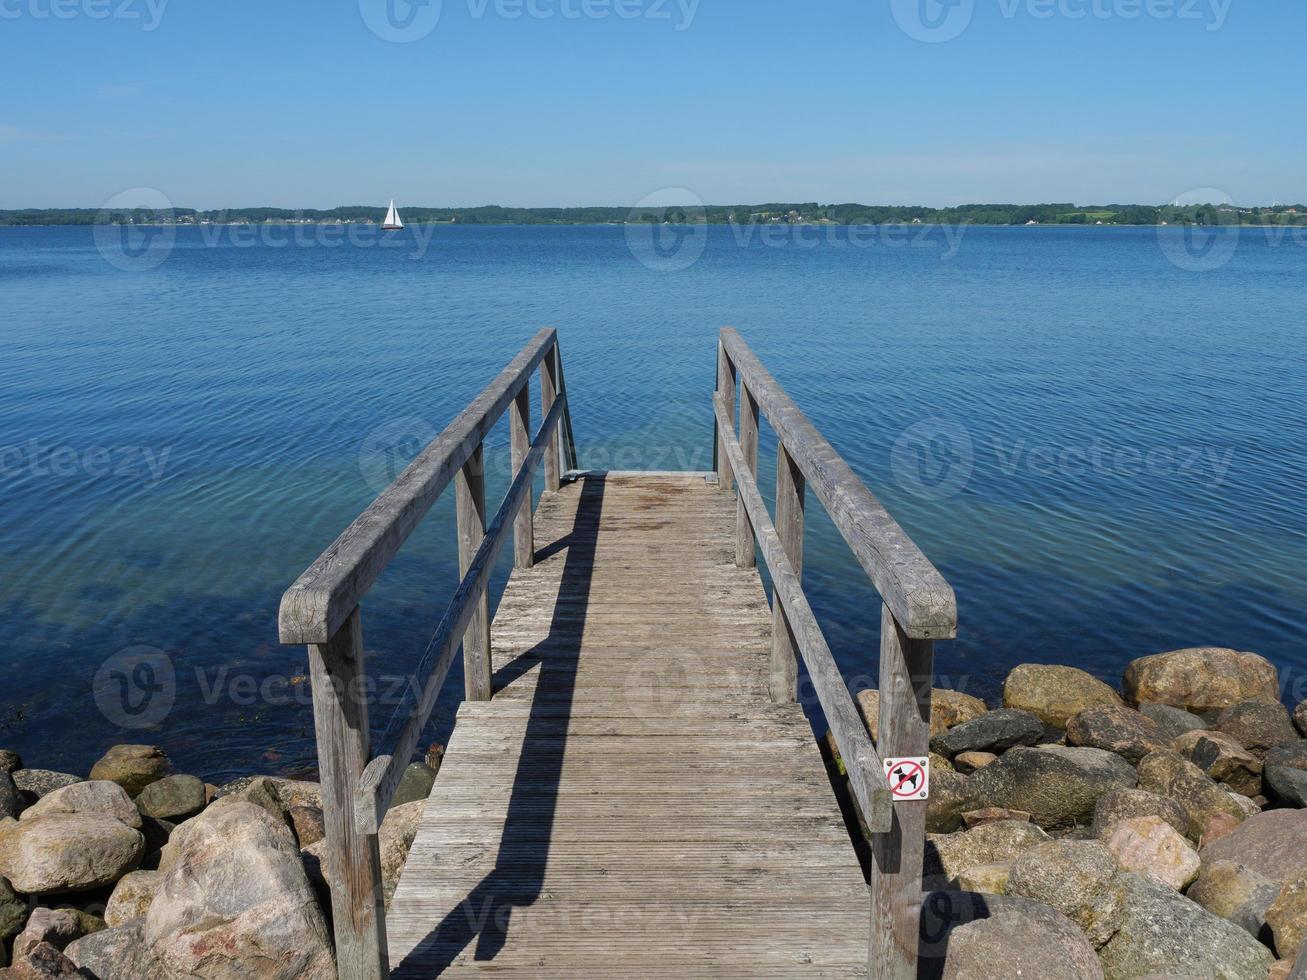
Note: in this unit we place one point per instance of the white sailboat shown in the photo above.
(392, 222)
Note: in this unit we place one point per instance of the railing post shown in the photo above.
(470, 490)
(745, 556)
(726, 392)
(548, 393)
(790, 485)
(906, 674)
(519, 414)
(353, 861)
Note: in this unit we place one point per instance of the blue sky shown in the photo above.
(561, 102)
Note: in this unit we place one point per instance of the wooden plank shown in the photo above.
(520, 438)
(631, 774)
(314, 607)
(470, 510)
(352, 860)
(789, 527)
(906, 674)
(922, 601)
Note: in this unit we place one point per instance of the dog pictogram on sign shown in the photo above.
(908, 778)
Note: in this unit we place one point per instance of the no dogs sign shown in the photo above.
(908, 778)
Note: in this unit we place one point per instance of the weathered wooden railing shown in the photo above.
(918, 607)
(322, 610)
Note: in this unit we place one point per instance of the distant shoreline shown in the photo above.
(740, 214)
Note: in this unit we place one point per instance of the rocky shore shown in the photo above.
(136, 872)
(1081, 830)
(1077, 830)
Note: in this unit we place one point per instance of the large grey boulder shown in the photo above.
(133, 767)
(94, 796)
(994, 731)
(13, 912)
(1173, 721)
(36, 783)
(63, 852)
(1224, 759)
(235, 901)
(1055, 693)
(112, 954)
(1272, 843)
(1201, 679)
(1257, 725)
(1164, 934)
(11, 800)
(966, 936)
(1237, 893)
(1285, 772)
(1116, 728)
(173, 798)
(948, 855)
(1076, 877)
(1058, 786)
(1123, 804)
(1170, 774)
(132, 897)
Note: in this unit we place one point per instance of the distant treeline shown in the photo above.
(843, 214)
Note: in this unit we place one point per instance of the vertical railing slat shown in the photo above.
(790, 484)
(745, 555)
(548, 394)
(520, 437)
(906, 672)
(726, 392)
(352, 859)
(470, 490)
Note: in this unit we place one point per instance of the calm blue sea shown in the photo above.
(1099, 435)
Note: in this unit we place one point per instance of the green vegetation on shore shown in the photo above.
(840, 214)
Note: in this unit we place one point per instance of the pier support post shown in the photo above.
(352, 859)
(548, 394)
(470, 491)
(726, 392)
(519, 416)
(906, 675)
(790, 486)
(745, 556)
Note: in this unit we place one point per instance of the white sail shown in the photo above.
(392, 218)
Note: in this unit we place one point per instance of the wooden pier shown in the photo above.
(631, 788)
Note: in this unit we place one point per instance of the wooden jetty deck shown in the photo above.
(630, 788)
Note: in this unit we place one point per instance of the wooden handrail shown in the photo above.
(861, 761)
(320, 601)
(922, 602)
(918, 607)
(322, 610)
(382, 776)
